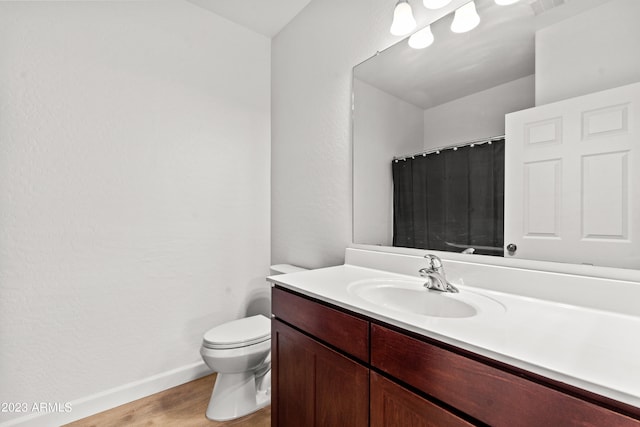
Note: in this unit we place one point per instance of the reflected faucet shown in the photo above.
(434, 273)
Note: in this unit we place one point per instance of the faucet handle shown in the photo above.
(435, 262)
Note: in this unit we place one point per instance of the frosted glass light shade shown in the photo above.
(465, 19)
(422, 38)
(403, 20)
(505, 2)
(436, 4)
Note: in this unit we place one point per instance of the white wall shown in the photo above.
(604, 56)
(383, 126)
(478, 115)
(312, 59)
(134, 190)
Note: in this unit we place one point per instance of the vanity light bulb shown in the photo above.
(403, 20)
(422, 38)
(437, 4)
(465, 19)
(505, 2)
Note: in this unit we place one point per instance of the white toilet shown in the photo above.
(240, 352)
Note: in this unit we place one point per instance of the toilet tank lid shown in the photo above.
(241, 332)
(285, 268)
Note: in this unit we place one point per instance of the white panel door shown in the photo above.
(572, 180)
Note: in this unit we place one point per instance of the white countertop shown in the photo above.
(592, 349)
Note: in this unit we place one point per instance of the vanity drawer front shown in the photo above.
(486, 393)
(345, 332)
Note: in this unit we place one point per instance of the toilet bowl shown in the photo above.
(240, 352)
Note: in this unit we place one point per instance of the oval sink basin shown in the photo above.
(412, 297)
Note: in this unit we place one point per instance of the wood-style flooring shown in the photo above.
(182, 406)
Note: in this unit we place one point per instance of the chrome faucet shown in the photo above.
(434, 273)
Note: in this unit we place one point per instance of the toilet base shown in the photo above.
(236, 395)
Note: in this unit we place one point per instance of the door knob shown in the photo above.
(511, 248)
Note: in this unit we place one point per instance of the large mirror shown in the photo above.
(518, 139)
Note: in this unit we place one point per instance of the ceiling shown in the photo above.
(262, 16)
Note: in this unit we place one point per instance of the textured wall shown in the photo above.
(311, 67)
(134, 190)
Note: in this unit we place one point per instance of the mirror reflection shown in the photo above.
(513, 139)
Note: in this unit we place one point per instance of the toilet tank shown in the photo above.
(285, 269)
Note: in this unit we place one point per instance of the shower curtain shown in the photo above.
(452, 200)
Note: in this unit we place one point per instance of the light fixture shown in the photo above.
(422, 38)
(403, 20)
(504, 2)
(435, 4)
(465, 19)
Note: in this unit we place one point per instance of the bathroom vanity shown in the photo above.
(339, 359)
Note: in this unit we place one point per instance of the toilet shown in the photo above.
(240, 352)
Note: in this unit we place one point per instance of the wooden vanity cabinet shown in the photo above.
(488, 394)
(334, 368)
(313, 384)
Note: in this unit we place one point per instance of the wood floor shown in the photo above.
(182, 406)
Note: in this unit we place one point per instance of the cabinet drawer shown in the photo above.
(486, 393)
(341, 330)
(392, 405)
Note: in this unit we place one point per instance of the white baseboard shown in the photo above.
(99, 402)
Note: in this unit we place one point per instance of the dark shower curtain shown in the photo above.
(451, 200)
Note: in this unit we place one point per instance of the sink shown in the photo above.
(409, 296)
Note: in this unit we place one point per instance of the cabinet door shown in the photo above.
(392, 405)
(313, 385)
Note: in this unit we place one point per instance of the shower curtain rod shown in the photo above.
(450, 147)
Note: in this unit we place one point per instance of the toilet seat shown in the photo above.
(238, 333)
